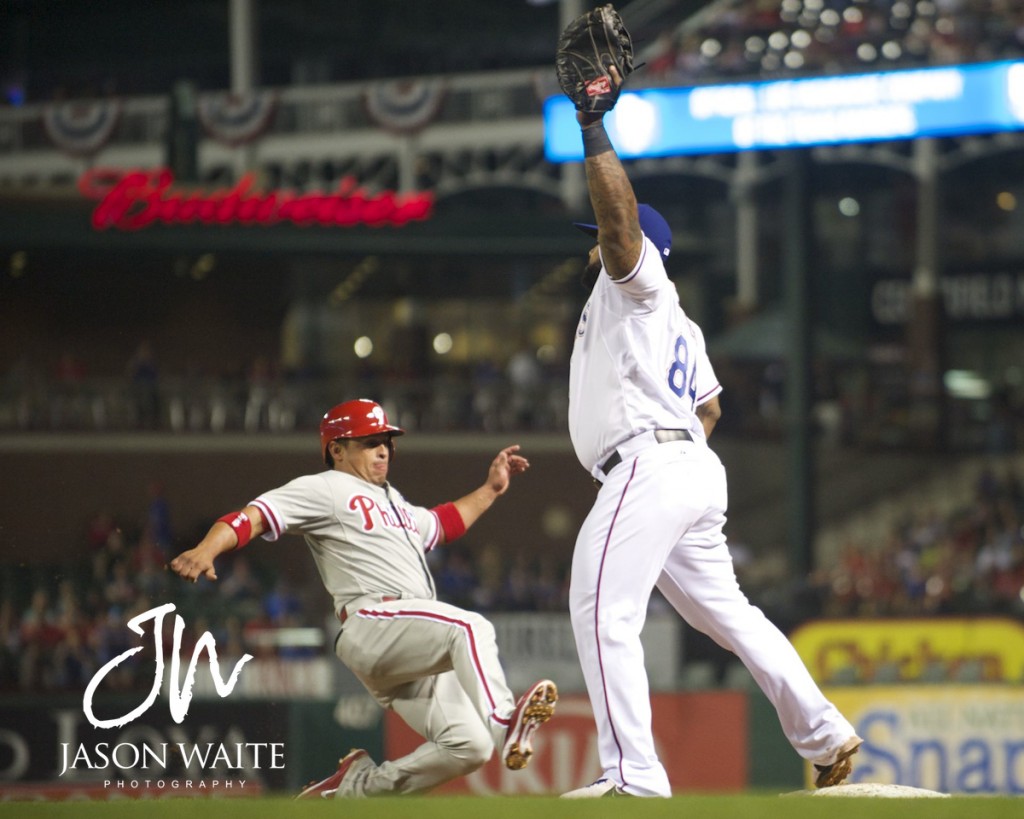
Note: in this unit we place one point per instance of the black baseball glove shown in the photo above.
(587, 48)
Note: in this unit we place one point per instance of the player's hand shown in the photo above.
(504, 466)
(585, 118)
(193, 564)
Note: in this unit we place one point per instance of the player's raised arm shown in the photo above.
(611, 196)
(593, 58)
(232, 531)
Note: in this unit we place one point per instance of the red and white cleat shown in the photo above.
(534, 708)
(329, 787)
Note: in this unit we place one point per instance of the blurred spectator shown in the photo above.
(24, 392)
(967, 561)
(37, 621)
(38, 635)
(157, 527)
(113, 550)
(517, 590)
(487, 395)
(10, 644)
(766, 38)
(1005, 425)
(242, 589)
(525, 381)
(73, 660)
(281, 604)
(150, 578)
(934, 561)
(68, 404)
(144, 383)
(261, 390)
(100, 528)
(456, 579)
(282, 608)
(119, 590)
(111, 638)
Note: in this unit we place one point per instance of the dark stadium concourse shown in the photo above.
(229, 289)
(80, 51)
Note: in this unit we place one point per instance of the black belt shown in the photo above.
(662, 436)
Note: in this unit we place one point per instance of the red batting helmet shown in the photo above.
(354, 419)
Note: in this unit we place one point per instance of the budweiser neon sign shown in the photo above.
(137, 199)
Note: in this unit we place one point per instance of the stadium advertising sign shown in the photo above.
(565, 752)
(859, 649)
(134, 199)
(974, 296)
(893, 105)
(951, 739)
(535, 645)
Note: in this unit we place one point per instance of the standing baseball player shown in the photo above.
(434, 664)
(643, 400)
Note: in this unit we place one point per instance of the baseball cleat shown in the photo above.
(329, 787)
(534, 708)
(596, 790)
(836, 773)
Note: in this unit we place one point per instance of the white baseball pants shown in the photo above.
(437, 666)
(657, 521)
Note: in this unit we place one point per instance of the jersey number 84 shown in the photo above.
(682, 377)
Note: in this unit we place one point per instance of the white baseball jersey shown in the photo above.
(638, 363)
(366, 539)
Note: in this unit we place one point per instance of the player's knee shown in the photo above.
(481, 629)
(478, 752)
(619, 624)
(470, 751)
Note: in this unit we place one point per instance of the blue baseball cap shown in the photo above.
(653, 225)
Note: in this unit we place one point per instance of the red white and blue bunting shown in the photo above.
(81, 128)
(404, 106)
(236, 119)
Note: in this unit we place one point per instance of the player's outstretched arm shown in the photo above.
(507, 463)
(222, 537)
(611, 195)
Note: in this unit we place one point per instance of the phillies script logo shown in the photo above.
(373, 513)
(136, 199)
(180, 696)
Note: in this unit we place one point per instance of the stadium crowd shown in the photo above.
(765, 38)
(967, 560)
(856, 404)
(57, 628)
(520, 392)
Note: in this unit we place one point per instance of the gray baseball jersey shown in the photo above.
(434, 664)
(365, 539)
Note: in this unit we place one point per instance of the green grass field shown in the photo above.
(766, 806)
